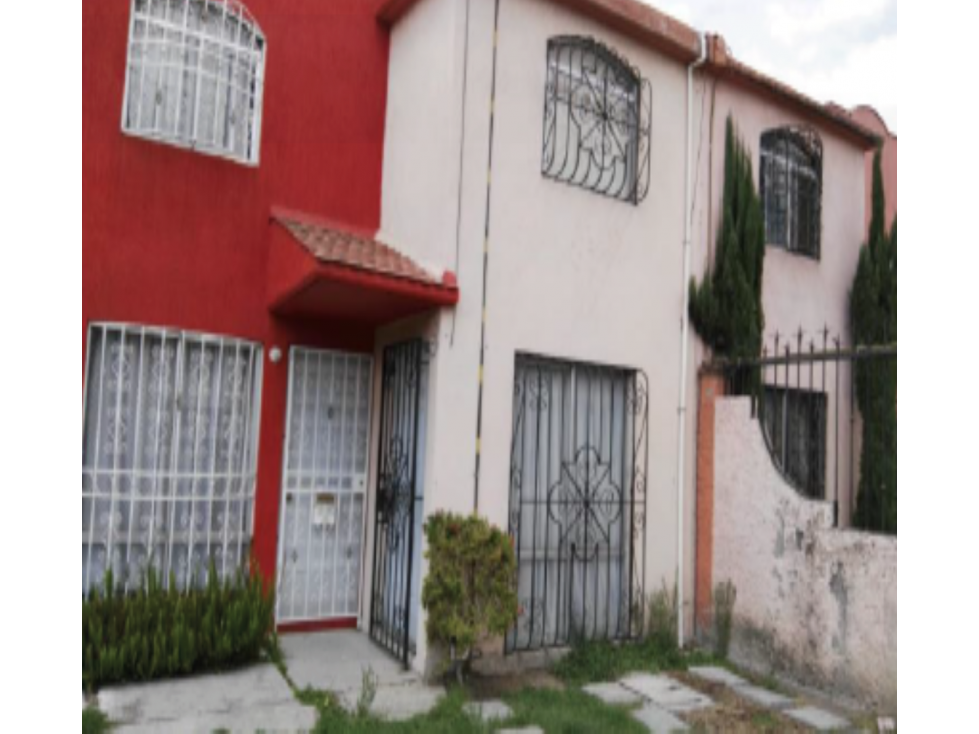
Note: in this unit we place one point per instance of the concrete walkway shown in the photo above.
(661, 701)
(337, 663)
(815, 718)
(256, 699)
(260, 699)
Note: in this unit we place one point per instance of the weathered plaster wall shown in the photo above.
(817, 604)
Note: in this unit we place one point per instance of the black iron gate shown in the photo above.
(578, 503)
(394, 541)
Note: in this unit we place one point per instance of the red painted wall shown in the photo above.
(177, 239)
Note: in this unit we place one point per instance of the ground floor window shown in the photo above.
(795, 425)
(169, 447)
(578, 502)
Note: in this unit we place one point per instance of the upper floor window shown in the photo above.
(792, 189)
(194, 76)
(597, 120)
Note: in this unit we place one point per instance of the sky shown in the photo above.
(842, 51)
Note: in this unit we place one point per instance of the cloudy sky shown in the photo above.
(843, 51)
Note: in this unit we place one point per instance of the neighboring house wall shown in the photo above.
(799, 293)
(814, 603)
(571, 274)
(871, 119)
(179, 239)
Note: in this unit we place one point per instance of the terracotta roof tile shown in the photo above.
(331, 245)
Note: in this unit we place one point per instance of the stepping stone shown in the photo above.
(490, 712)
(612, 694)
(667, 694)
(819, 720)
(399, 704)
(658, 721)
(764, 698)
(886, 725)
(719, 676)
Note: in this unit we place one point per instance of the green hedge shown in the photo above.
(154, 633)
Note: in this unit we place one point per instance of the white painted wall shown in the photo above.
(815, 603)
(571, 274)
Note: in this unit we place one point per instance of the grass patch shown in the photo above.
(603, 662)
(571, 712)
(447, 718)
(555, 712)
(94, 722)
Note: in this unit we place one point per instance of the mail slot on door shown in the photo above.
(325, 511)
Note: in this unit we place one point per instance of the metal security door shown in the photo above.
(397, 499)
(324, 487)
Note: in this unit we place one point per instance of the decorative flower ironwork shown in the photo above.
(586, 503)
(597, 120)
(579, 519)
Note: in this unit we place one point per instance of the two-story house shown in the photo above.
(346, 266)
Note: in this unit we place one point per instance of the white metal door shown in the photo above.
(324, 485)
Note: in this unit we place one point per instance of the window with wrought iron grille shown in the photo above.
(795, 425)
(169, 447)
(194, 77)
(597, 120)
(792, 190)
(578, 502)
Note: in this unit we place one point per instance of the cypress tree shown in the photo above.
(726, 309)
(874, 315)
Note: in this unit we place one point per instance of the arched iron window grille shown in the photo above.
(597, 120)
(792, 189)
(194, 77)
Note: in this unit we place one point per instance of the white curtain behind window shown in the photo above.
(195, 76)
(168, 455)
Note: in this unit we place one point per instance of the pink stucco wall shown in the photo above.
(816, 604)
(870, 119)
(799, 293)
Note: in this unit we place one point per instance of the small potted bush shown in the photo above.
(470, 592)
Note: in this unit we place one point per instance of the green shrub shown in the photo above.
(154, 633)
(874, 314)
(470, 590)
(726, 309)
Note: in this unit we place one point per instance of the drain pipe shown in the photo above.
(688, 217)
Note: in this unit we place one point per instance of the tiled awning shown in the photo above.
(320, 270)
